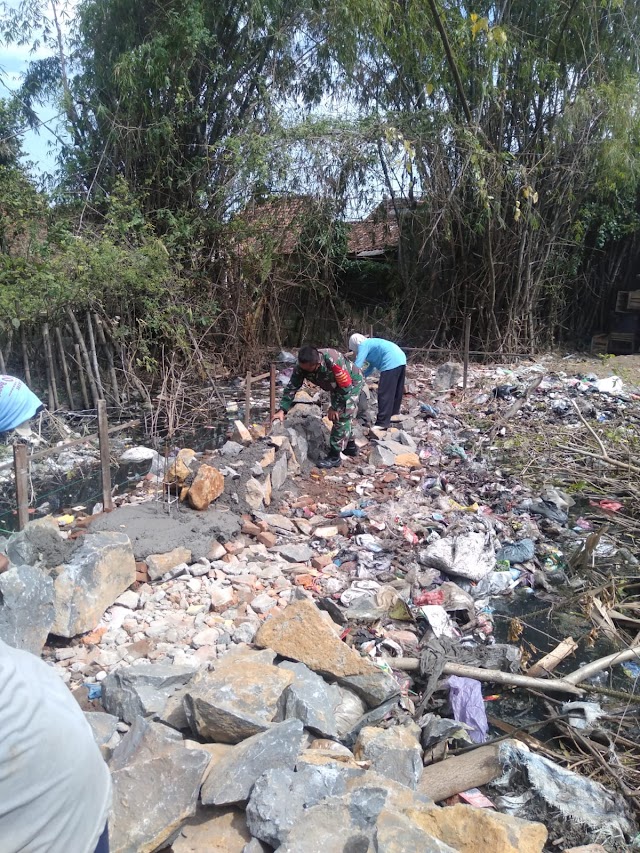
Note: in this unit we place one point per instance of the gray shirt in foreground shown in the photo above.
(55, 789)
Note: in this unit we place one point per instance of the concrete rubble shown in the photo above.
(250, 669)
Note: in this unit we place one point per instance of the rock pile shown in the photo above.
(277, 749)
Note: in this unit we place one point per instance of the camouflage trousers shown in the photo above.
(341, 431)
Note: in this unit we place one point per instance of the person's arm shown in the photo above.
(339, 368)
(363, 352)
(293, 386)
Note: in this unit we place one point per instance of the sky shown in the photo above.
(40, 146)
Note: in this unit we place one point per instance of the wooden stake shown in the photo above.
(83, 384)
(51, 371)
(94, 355)
(25, 356)
(272, 392)
(109, 354)
(460, 772)
(105, 456)
(21, 468)
(467, 340)
(85, 357)
(65, 368)
(247, 401)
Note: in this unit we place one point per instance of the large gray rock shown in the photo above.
(279, 472)
(231, 449)
(101, 568)
(295, 553)
(239, 699)
(280, 796)
(394, 753)
(233, 777)
(145, 690)
(336, 824)
(300, 633)
(311, 700)
(374, 815)
(40, 543)
(156, 781)
(313, 432)
(26, 608)
(105, 731)
(299, 445)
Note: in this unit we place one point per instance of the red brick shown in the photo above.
(267, 538)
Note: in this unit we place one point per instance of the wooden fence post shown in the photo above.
(272, 392)
(21, 468)
(247, 401)
(467, 339)
(105, 456)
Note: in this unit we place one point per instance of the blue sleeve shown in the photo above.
(369, 370)
(363, 351)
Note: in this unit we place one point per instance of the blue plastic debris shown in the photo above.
(95, 691)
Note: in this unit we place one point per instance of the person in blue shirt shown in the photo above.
(389, 359)
(18, 404)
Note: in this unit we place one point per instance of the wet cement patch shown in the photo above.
(152, 530)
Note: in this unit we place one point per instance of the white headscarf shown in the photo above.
(355, 341)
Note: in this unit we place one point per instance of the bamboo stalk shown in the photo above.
(25, 355)
(83, 384)
(65, 368)
(496, 676)
(21, 466)
(105, 456)
(85, 355)
(3, 367)
(94, 355)
(109, 354)
(51, 372)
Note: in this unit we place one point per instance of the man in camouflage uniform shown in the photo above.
(332, 372)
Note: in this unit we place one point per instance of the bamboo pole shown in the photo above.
(21, 468)
(105, 456)
(247, 401)
(51, 370)
(102, 340)
(25, 355)
(272, 392)
(51, 401)
(83, 384)
(3, 368)
(65, 368)
(510, 679)
(94, 355)
(85, 356)
(467, 340)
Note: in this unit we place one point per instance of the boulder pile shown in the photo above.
(291, 745)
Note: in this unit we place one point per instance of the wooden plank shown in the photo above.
(21, 467)
(105, 456)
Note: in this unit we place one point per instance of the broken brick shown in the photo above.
(267, 538)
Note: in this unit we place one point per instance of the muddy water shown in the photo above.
(59, 491)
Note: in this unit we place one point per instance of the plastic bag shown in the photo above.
(517, 552)
(465, 695)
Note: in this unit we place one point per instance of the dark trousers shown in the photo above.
(103, 842)
(390, 391)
